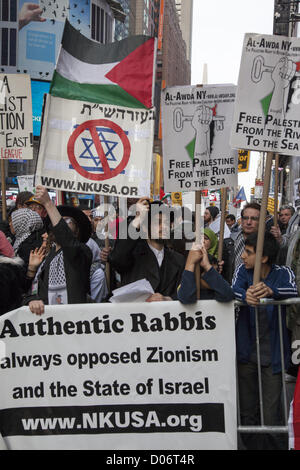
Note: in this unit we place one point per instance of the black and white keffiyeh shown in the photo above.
(57, 285)
(24, 221)
(239, 246)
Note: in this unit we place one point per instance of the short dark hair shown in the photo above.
(23, 196)
(158, 207)
(231, 217)
(287, 207)
(250, 205)
(271, 246)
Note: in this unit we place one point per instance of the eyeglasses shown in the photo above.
(253, 219)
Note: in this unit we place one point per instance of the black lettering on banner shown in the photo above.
(87, 187)
(150, 418)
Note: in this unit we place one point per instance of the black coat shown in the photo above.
(77, 264)
(134, 260)
(34, 240)
(13, 283)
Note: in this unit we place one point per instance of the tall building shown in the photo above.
(185, 17)
(143, 17)
(176, 67)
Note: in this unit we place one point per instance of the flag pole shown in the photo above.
(276, 190)
(262, 218)
(222, 222)
(3, 189)
(198, 237)
(107, 265)
(198, 214)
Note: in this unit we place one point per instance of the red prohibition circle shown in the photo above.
(91, 126)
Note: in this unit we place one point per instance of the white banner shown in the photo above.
(196, 125)
(95, 148)
(267, 111)
(15, 117)
(127, 376)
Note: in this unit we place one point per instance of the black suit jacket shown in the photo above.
(134, 260)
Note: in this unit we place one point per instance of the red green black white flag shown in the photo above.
(120, 73)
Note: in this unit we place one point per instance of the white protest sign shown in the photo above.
(26, 183)
(296, 196)
(267, 110)
(126, 376)
(15, 117)
(196, 125)
(95, 148)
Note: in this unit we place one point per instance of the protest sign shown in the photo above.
(267, 112)
(243, 160)
(95, 148)
(196, 124)
(26, 183)
(119, 376)
(296, 195)
(15, 117)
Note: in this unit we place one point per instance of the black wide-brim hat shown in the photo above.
(82, 221)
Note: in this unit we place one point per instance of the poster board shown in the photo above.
(15, 117)
(124, 376)
(95, 149)
(266, 115)
(196, 125)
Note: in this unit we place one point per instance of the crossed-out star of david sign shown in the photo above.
(102, 157)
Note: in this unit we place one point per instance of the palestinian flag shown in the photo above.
(120, 73)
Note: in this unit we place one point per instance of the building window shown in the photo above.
(101, 24)
(8, 33)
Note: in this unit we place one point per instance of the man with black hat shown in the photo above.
(63, 277)
(145, 255)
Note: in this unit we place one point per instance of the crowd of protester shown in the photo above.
(58, 255)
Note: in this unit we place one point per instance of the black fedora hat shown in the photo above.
(82, 221)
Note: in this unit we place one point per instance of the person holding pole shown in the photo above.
(144, 254)
(277, 282)
(213, 285)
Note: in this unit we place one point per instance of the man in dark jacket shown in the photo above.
(277, 282)
(145, 255)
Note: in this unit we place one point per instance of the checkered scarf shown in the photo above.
(25, 221)
(239, 246)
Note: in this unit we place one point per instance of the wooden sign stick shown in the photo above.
(198, 236)
(222, 222)
(107, 265)
(262, 218)
(3, 189)
(276, 190)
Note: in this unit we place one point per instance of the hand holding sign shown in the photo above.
(142, 209)
(42, 195)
